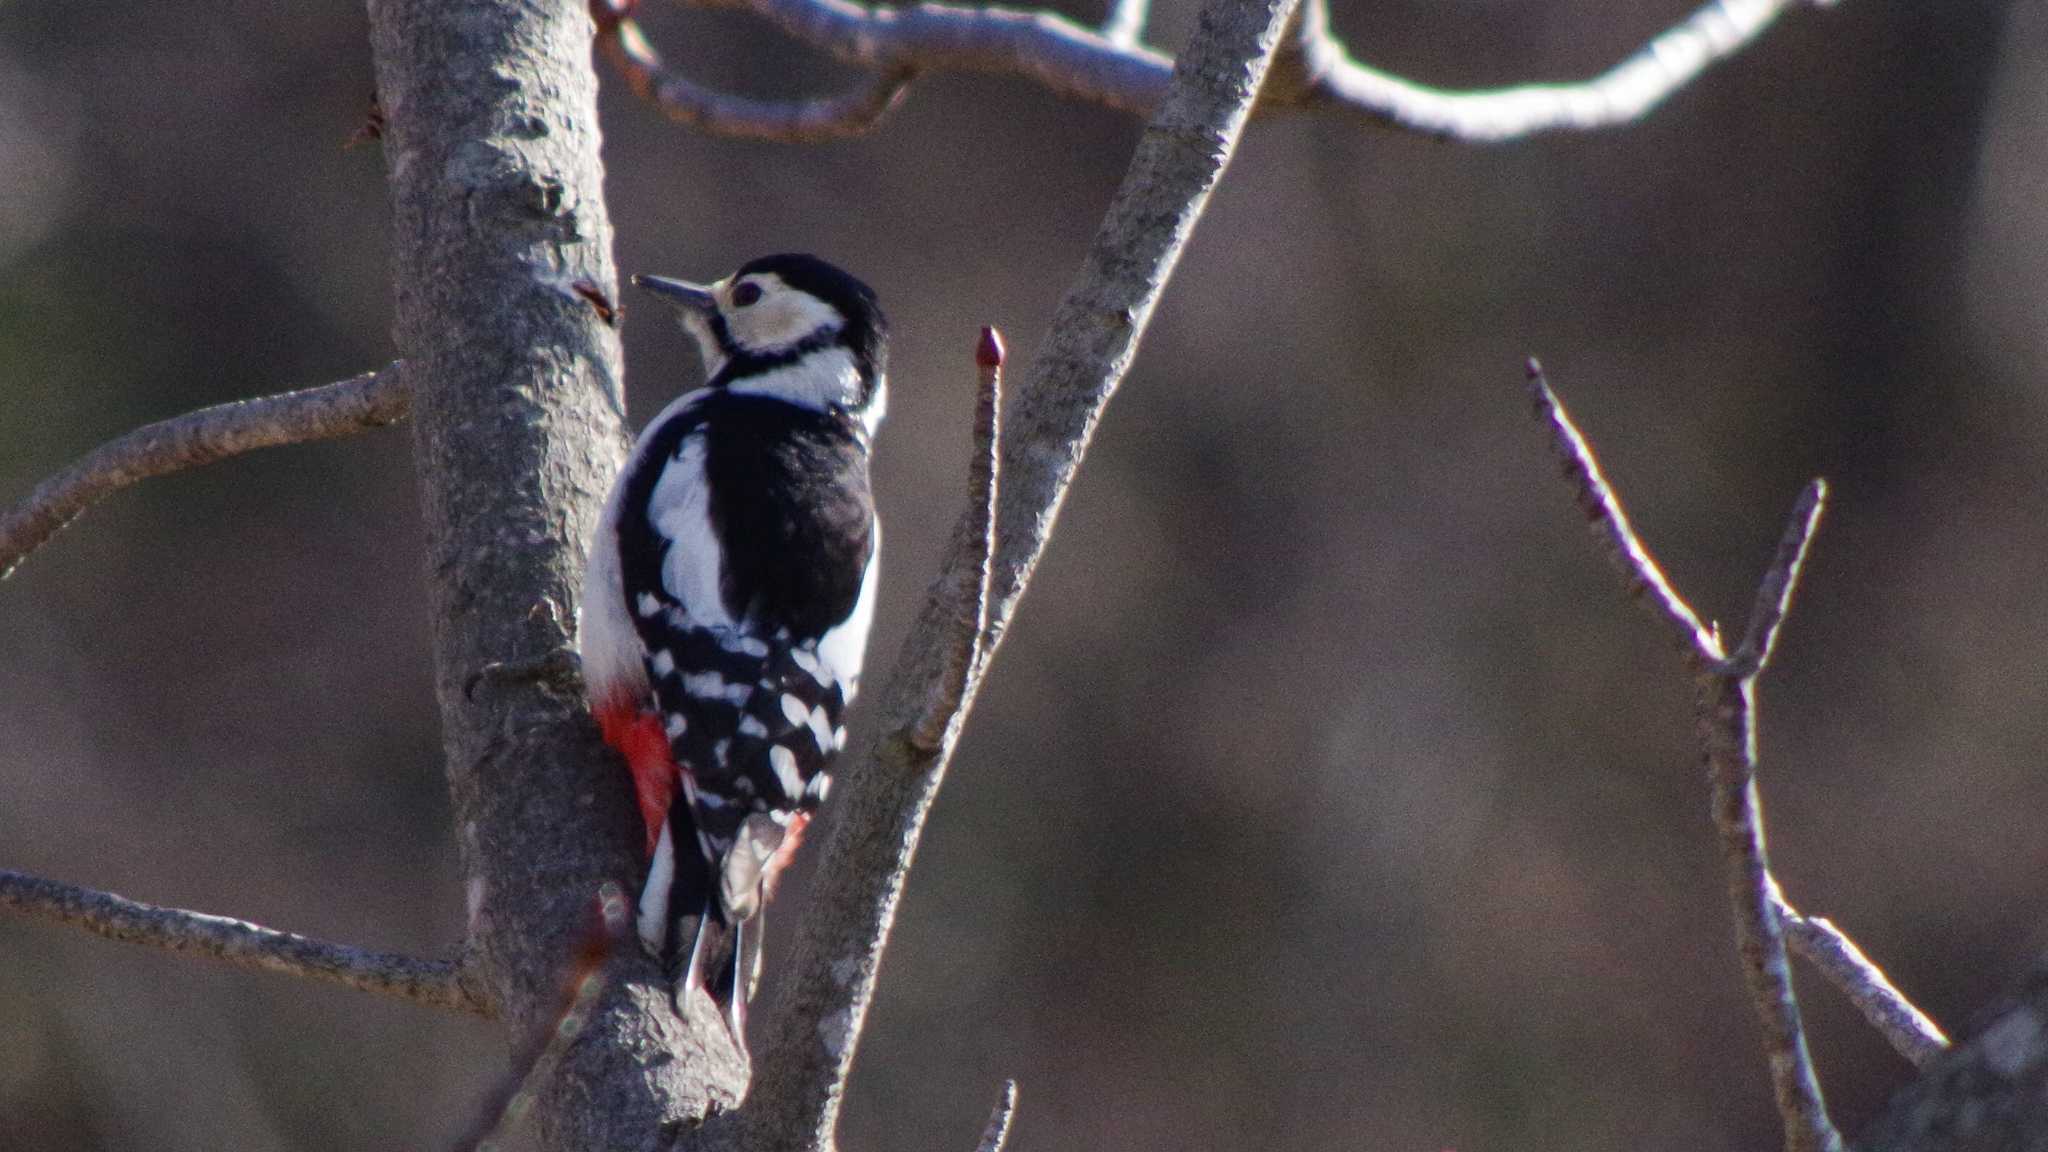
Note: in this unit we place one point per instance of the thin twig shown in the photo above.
(1112, 67)
(984, 480)
(975, 550)
(1125, 24)
(1727, 727)
(1728, 734)
(1774, 594)
(1726, 724)
(583, 977)
(344, 408)
(997, 1133)
(1911, 1032)
(437, 983)
(1607, 519)
(855, 112)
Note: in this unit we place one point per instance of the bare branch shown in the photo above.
(1727, 726)
(997, 1133)
(853, 113)
(583, 977)
(244, 945)
(1774, 592)
(814, 1027)
(1910, 1031)
(1064, 56)
(971, 560)
(1621, 95)
(328, 412)
(1114, 68)
(1726, 723)
(1605, 516)
(1125, 24)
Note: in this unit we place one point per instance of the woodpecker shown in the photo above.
(727, 599)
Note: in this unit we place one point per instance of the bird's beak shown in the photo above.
(682, 293)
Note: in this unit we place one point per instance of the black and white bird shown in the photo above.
(727, 600)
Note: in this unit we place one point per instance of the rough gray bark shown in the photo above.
(1986, 1094)
(497, 190)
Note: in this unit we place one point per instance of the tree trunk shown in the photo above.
(497, 190)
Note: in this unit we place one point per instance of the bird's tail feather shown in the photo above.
(683, 923)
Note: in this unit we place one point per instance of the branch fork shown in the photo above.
(1726, 723)
(1112, 66)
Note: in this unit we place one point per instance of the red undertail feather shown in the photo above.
(637, 734)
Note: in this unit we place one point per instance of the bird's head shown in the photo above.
(789, 326)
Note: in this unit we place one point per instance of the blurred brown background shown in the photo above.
(1329, 794)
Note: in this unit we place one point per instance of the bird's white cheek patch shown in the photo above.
(782, 318)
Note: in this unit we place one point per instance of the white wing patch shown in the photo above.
(783, 761)
(821, 729)
(680, 510)
(842, 649)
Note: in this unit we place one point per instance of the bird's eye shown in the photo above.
(747, 293)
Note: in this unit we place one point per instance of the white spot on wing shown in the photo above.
(750, 725)
(743, 643)
(794, 709)
(821, 728)
(677, 725)
(704, 685)
(819, 787)
(650, 604)
(784, 762)
(680, 508)
(664, 662)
